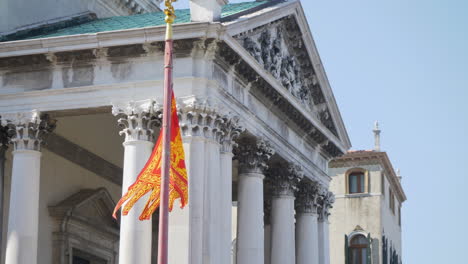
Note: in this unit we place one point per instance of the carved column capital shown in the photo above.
(325, 203)
(26, 130)
(198, 118)
(231, 131)
(307, 197)
(253, 154)
(137, 119)
(283, 178)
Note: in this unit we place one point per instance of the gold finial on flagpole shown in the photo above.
(170, 17)
(169, 11)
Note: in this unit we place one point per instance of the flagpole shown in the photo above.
(166, 130)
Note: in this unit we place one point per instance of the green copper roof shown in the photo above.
(128, 22)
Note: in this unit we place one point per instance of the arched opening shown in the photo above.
(358, 250)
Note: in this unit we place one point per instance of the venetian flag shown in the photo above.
(149, 179)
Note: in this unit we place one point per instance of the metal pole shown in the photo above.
(166, 130)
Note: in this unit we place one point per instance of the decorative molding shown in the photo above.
(198, 117)
(253, 154)
(325, 203)
(81, 222)
(260, 88)
(280, 49)
(283, 178)
(27, 130)
(231, 131)
(307, 197)
(137, 119)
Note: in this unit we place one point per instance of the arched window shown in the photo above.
(358, 247)
(357, 182)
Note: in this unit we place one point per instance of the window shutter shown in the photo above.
(369, 253)
(346, 248)
(384, 250)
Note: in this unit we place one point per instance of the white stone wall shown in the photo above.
(350, 211)
(390, 221)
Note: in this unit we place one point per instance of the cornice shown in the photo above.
(108, 39)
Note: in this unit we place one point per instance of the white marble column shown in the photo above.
(136, 122)
(231, 131)
(326, 199)
(252, 155)
(3, 148)
(196, 235)
(283, 179)
(307, 246)
(212, 196)
(23, 217)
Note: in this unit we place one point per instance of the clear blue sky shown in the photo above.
(405, 63)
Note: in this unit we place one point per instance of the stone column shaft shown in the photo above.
(186, 227)
(250, 219)
(231, 130)
(282, 230)
(212, 214)
(226, 207)
(307, 246)
(252, 156)
(3, 149)
(326, 199)
(135, 235)
(202, 238)
(23, 217)
(307, 237)
(283, 179)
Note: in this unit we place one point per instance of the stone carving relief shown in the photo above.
(253, 154)
(326, 200)
(231, 131)
(137, 119)
(307, 197)
(197, 117)
(283, 178)
(279, 48)
(27, 130)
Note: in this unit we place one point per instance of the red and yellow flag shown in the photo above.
(149, 179)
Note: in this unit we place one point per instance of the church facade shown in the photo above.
(80, 106)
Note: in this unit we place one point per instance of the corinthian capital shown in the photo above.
(326, 200)
(137, 119)
(27, 129)
(307, 197)
(283, 178)
(253, 154)
(199, 118)
(231, 130)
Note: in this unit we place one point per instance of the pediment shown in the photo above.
(93, 206)
(279, 48)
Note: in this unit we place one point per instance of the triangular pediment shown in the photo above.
(280, 40)
(279, 48)
(92, 206)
